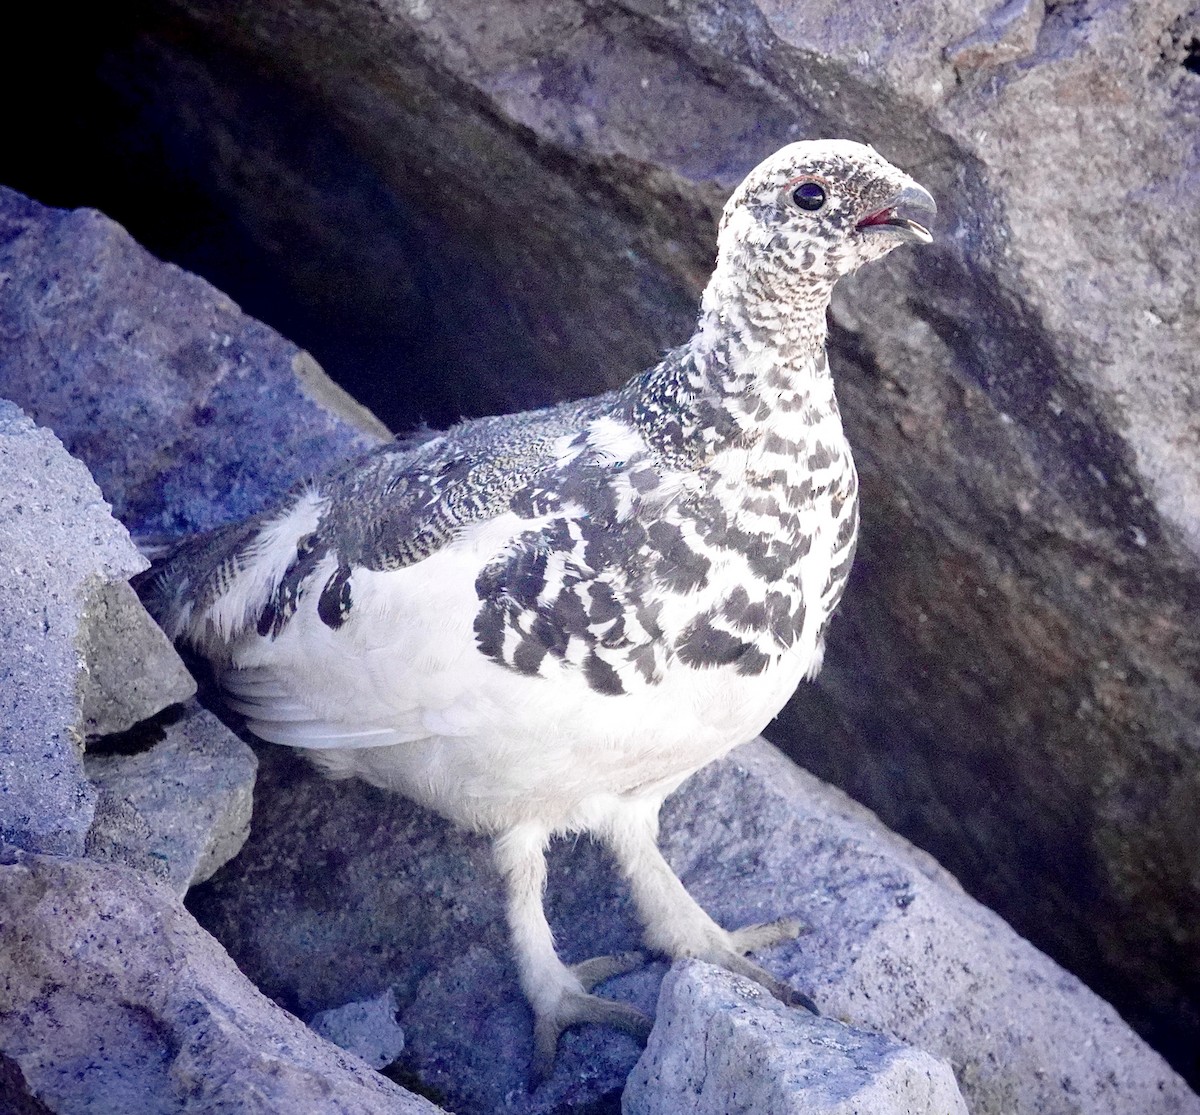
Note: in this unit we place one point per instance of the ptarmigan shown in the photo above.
(543, 623)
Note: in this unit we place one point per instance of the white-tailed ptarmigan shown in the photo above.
(543, 623)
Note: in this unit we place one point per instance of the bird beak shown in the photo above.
(908, 215)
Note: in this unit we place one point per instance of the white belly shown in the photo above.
(477, 742)
(543, 751)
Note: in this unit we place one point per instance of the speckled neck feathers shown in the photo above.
(756, 352)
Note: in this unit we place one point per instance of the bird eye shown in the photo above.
(809, 196)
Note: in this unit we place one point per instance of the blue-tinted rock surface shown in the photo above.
(721, 1045)
(63, 558)
(116, 1001)
(187, 412)
(180, 807)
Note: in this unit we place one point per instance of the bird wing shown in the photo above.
(391, 508)
(334, 619)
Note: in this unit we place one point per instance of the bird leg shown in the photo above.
(675, 922)
(558, 993)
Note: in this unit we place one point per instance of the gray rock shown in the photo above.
(1013, 681)
(367, 1029)
(180, 809)
(132, 670)
(721, 1045)
(64, 563)
(187, 412)
(343, 891)
(115, 1001)
(15, 1092)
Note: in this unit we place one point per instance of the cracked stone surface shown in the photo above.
(179, 809)
(114, 1000)
(64, 563)
(722, 1045)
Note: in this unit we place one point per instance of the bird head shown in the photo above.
(815, 211)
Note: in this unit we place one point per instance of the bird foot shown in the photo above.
(728, 951)
(575, 1005)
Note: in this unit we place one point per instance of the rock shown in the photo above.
(114, 1000)
(155, 379)
(1009, 33)
(367, 1029)
(15, 1092)
(513, 203)
(64, 564)
(343, 891)
(721, 1044)
(132, 669)
(180, 809)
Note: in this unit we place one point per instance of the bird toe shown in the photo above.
(751, 938)
(785, 993)
(574, 1009)
(599, 968)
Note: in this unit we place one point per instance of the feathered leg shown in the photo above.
(675, 922)
(558, 993)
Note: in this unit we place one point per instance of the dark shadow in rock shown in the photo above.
(141, 737)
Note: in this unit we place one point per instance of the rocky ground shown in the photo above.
(525, 195)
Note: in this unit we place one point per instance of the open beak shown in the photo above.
(908, 215)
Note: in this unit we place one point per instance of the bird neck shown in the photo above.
(755, 360)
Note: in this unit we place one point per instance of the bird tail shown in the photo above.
(155, 547)
(185, 578)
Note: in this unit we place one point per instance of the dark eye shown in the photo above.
(809, 195)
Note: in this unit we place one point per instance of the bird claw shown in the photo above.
(784, 992)
(574, 1009)
(730, 955)
(577, 1006)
